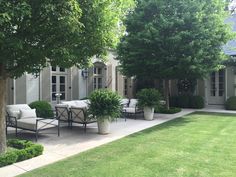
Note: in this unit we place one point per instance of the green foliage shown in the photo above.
(174, 39)
(64, 33)
(105, 104)
(171, 110)
(183, 101)
(230, 104)
(8, 158)
(20, 150)
(43, 109)
(187, 101)
(148, 97)
(196, 102)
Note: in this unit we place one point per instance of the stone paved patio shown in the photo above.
(74, 141)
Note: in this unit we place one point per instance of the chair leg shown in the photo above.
(85, 127)
(36, 135)
(58, 128)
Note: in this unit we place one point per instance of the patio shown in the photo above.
(73, 141)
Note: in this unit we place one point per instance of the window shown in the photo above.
(97, 83)
(97, 71)
(58, 69)
(125, 86)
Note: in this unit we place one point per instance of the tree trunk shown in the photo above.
(167, 91)
(3, 145)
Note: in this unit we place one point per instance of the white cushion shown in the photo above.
(69, 103)
(133, 103)
(14, 110)
(27, 113)
(125, 102)
(81, 104)
(129, 110)
(30, 123)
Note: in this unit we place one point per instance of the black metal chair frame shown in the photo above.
(86, 118)
(12, 122)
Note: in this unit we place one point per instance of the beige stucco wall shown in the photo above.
(46, 84)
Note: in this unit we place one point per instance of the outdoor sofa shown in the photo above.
(75, 111)
(21, 116)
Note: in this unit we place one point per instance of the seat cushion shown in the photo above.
(129, 110)
(30, 123)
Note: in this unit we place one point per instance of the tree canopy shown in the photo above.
(174, 39)
(62, 33)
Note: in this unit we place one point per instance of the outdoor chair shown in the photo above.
(63, 114)
(21, 116)
(80, 115)
(124, 104)
(132, 110)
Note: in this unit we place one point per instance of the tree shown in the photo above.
(63, 33)
(174, 39)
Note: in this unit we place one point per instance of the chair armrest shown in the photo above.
(11, 120)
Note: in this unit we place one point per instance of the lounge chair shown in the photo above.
(21, 116)
(132, 110)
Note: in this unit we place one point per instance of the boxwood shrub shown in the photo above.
(43, 109)
(230, 104)
(187, 101)
(20, 150)
(172, 110)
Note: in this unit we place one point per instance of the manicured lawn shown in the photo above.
(195, 145)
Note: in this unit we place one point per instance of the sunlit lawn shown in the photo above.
(195, 145)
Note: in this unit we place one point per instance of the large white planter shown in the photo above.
(148, 113)
(103, 126)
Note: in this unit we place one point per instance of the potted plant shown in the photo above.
(148, 99)
(105, 105)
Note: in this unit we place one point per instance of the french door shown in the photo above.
(217, 87)
(58, 87)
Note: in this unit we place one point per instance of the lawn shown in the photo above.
(198, 144)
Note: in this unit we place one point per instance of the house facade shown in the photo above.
(55, 84)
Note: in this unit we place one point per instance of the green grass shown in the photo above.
(199, 144)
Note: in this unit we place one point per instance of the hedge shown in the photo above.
(172, 110)
(186, 101)
(20, 150)
(43, 109)
(230, 104)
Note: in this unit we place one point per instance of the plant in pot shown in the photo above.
(148, 99)
(105, 106)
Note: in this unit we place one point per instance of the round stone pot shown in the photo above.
(148, 113)
(103, 126)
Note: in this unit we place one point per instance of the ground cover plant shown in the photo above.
(19, 150)
(195, 145)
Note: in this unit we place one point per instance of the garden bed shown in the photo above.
(19, 150)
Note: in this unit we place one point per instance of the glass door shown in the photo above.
(217, 87)
(58, 87)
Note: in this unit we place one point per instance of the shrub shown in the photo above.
(172, 110)
(230, 104)
(43, 109)
(173, 101)
(8, 158)
(105, 104)
(196, 102)
(187, 101)
(148, 98)
(183, 101)
(20, 150)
